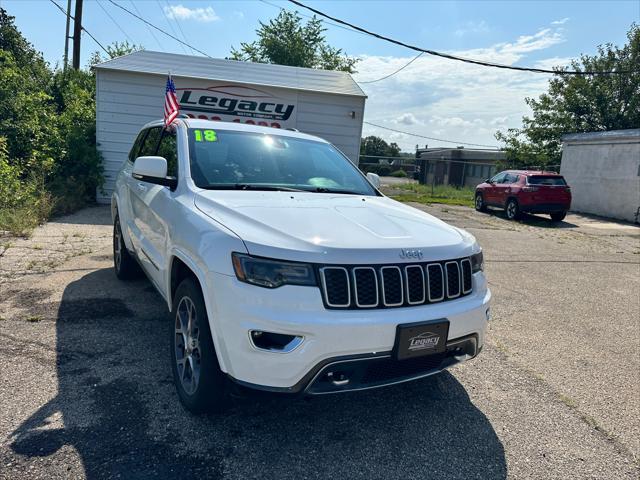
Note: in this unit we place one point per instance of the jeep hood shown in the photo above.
(332, 228)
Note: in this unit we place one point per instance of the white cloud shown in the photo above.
(455, 100)
(407, 119)
(180, 12)
(562, 21)
(237, 14)
(472, 27)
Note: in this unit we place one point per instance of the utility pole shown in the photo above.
(77, 32)
(66, 36)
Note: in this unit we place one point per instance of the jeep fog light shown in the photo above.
(274, 342)
(488, 314)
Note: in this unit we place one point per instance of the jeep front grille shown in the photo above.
(385, 286)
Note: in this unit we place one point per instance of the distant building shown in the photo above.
(603, 170)
(457, 166)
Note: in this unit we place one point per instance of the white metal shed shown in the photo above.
(130, 92)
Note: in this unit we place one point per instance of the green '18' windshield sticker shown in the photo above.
(205, 135)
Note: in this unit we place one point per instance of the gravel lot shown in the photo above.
(86, 390)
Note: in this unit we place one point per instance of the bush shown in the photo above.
(399, 174)
(24, 204)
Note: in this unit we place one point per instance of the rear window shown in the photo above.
(546, 180)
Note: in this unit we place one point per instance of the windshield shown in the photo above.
(226, 159)
(546, 180)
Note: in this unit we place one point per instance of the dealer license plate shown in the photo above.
(422, 338)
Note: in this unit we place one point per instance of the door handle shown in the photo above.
(142, 187)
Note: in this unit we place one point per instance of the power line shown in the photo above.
(114, 21)
(159, 29)
(148, 29)
(184, 37)
(83, 29)
(397, 71)
(432, 138)
(454, 57)
(311, 16)
(168, 20)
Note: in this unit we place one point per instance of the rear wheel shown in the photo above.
(201, 385)
(558, 217)
(512, 209)
(124, 264)
(480, 205)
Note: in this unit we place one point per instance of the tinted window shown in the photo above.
(223, 158)
(546, 180)
(169, 150)
(499, 178)
(133, 154)
(150, 145)
(511, 178)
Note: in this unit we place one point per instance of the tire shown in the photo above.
(124, 264)
(479, 203)
(201, 385)
(512, 209)
(558, 217)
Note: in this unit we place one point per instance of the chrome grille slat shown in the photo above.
(329, 293)
(385, 286)
(435, 267)
(360, 293)
(467, 276)
(408, 287)
(392, 290)
(452, 275)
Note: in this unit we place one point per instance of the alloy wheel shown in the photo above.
(511, 210)
(187, 345)
(478, 202)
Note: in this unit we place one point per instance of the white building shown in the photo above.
(603, 170)
(130, 92)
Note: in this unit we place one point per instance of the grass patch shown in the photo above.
(27, 213)
(413, 192)
(33, 319)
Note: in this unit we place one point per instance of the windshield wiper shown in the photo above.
(249, 186)
(334, 190)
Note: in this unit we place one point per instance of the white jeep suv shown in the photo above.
(285, 268)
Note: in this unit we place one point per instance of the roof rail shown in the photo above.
(293, 129)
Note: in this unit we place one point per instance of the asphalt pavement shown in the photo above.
(86, 388)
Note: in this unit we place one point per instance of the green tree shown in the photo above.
(580, 103)
(373, 146)
(116, 49)
(286, 41)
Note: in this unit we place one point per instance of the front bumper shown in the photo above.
(329, 336)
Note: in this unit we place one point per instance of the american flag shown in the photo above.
(171, 105)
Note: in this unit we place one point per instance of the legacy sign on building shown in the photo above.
(236, 103)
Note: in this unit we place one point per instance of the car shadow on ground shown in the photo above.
(532, 220)
(121, 415)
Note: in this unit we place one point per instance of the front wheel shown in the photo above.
(479, 203)
(512, 209)
(558, 217)
(201, 385)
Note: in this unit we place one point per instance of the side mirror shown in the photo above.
(488, 180)
(374, 179)
(153, 170)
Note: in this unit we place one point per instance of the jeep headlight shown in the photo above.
(272, 273)
(477, 262)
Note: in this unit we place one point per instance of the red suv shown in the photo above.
(525, 191)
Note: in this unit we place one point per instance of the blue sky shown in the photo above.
(432, 97)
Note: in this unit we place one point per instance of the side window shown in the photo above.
(133, 153)
(510, 178)
(499, 178)
(150, 144)
(169, 149)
